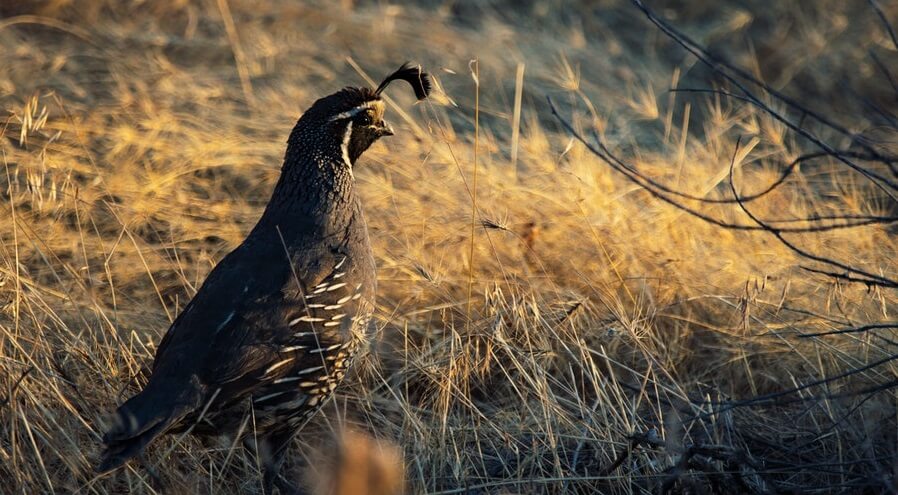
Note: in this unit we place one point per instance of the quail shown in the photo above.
(274, 327)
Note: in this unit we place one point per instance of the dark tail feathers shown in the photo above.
(136, 423)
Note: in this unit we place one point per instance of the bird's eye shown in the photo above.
(365, 119)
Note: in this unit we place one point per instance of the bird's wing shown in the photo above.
(292, 340)
(226, 341)
(257, 317)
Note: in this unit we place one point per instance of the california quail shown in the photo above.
(275, 325)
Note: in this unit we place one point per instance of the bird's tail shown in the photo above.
(141, 419)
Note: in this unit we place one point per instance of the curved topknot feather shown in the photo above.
(413, 75)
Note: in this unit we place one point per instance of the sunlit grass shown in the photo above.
(135, 156)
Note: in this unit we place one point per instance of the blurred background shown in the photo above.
(546, 323)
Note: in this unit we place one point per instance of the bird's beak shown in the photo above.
(385, 129)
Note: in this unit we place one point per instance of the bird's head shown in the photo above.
(352, 119)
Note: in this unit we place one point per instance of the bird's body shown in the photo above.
(274, 327)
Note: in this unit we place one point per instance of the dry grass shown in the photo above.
(143, 138)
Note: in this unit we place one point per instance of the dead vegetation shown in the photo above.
(576, 334)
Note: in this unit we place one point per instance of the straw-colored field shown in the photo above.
(539, 316)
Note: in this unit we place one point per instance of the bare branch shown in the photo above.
(885, 22)
(863, 328)
(870, 278)
(887, 186)
(661, 192)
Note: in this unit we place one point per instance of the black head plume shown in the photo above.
(413, 75)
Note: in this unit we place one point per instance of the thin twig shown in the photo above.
(869, 278)
(887, 186)
(15, 386)
(864, 328)
(885, 21)
(657, 190)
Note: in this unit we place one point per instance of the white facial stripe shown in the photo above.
(344, 147)
(347, 114)
(352, 112)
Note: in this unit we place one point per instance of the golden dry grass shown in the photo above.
(143, 138)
